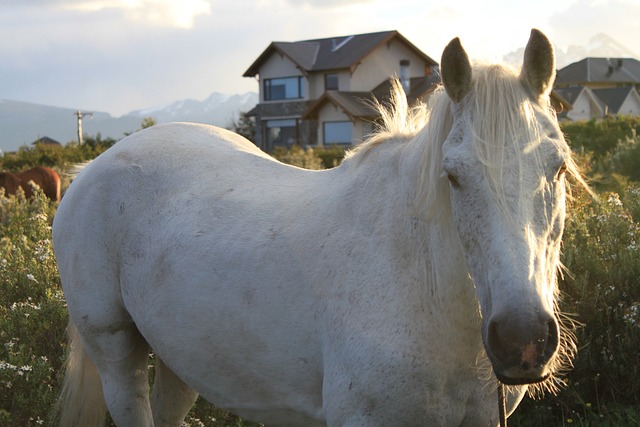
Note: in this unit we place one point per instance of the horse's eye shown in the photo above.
(453, 180)
(561, 171)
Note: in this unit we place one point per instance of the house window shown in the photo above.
(283, 88)
(280, 133)
(337, 132)
(330, 82)
(405, 75)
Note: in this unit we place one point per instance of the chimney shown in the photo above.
(610, 67)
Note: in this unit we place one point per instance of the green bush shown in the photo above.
(601, 251)
(616, 160)
(624, 159)
(331, 156)
(60, 158)
(600, 136)
(298, 156)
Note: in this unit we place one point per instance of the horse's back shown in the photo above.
(46, 178)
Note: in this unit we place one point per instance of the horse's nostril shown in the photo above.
(553, 340)
(501, 344)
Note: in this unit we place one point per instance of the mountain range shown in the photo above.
(599, 46)
(22, 123)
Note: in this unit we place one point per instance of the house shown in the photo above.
(45, 140)
(315, 92)
(598, 73)
(598, 87)
(620, 100)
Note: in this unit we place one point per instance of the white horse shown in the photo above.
(378, 293)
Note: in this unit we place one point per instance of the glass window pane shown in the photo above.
(337, 132)
(283, 88)
(280, 132)
(331, 82)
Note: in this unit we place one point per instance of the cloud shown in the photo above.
(164, 13)
(619, 19)
(324, 4)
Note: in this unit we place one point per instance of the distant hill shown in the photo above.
(21, 123)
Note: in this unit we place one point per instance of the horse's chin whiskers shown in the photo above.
(563, 360)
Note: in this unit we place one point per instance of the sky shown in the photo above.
(117, 56)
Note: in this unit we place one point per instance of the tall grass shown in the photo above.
(32, 312)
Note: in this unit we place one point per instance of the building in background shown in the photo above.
(318, 92)
(600, 87)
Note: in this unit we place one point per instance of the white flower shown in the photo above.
(614, 199)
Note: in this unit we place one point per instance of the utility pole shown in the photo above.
(79, 114)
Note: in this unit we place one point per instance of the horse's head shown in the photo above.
(505, 159)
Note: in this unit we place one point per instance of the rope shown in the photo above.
(502, 405)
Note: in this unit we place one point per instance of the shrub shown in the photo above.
(331, 156)
(600, 136)
(624, 159)
(298, 156)
(601, 251)
(55, 157)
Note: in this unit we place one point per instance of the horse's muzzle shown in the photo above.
(521, 352)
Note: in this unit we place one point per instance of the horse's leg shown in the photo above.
(122, 355)
(171, 397)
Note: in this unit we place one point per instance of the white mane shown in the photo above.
(502, 117)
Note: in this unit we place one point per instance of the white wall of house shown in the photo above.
(631, 105)
(383, 63)
(585, 107)
(316, 82)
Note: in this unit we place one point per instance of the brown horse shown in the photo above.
(45, 178)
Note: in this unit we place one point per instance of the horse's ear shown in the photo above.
(456, 70)
(539, 66)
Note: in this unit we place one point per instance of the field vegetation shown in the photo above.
(600, 288)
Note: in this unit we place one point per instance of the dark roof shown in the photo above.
(420, 87)
(359, 104)
(354, 104)
(600, 70)
(569, 93)
(45, 140)
(613, 98)
(332, 53)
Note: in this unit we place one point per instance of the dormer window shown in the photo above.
(331, 82)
